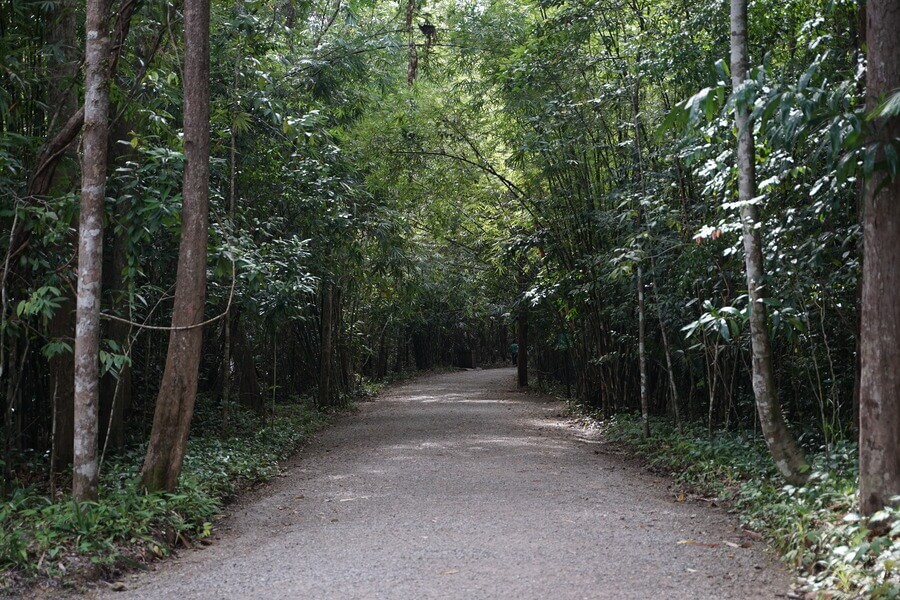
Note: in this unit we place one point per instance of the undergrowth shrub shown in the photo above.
(56, 539)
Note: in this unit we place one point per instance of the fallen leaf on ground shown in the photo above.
(449, 572)
(753, 534)
(696, 543)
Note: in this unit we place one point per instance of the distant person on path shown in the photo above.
(514, 352)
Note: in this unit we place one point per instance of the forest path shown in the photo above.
(460, 486)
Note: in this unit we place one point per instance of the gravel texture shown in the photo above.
(460, 486)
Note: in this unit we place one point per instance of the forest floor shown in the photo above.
(461, 486)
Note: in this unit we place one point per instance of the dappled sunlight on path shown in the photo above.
(460, 486)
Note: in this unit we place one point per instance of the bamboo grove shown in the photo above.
(667, 220)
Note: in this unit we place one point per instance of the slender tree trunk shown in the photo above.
(712, 379)
(90, 250)
(54, 149)
(62, 377)
(177, 392)
(879, 401)
(249, 393)
(115, 392)
(642, 314)
(381, 358)
(9, 363)
(232, 206)
(522, 332)
(412, 67)
(787, 454)
(63, 29)
(642, 354)
(673, 387)
(325, 359)
(115, 389)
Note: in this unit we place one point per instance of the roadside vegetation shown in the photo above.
(817, 527)
(59, 542)
(686, 209)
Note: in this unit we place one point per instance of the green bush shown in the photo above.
(61, 539)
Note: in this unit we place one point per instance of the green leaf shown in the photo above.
(888, 109)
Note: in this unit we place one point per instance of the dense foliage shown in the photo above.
(401, 186)
(66, 540)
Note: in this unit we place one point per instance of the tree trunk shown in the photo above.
(232, 206)
(62, 382)
(523, 347)
(63, 98)
(249, 393)
(787, 454)
(642, 316)
(10, 364)
(673, 387)
(412, 67)
(879, 402)
(381, 357)
(90, 250)
(115, 389)
(642, 354)
(325, 354)
(115, 392)
(177, 392)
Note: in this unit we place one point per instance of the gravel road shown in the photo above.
(460, 486)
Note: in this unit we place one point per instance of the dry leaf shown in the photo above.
(753, 534)
(696, 543)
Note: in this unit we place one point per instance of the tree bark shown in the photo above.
(249, 393)
(412, 67)
(325, 354)
(90, 250)
(522, 332)
(232, 205)
(642, 354)
(56, 147)
(177, 392)
(642, 313)
(116, 388)
(667, 349)
(62, 382)
(787, 454)
(879, 402)
(62, 29)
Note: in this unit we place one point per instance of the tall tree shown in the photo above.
(522, 340)
(178, 390)
(412, 67)
(90, 249)
(62, 31)
(326, 353)
(879, 402)
(784, 449)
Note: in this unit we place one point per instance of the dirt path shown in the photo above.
(459, 486)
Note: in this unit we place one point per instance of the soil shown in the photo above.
(459, 485)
